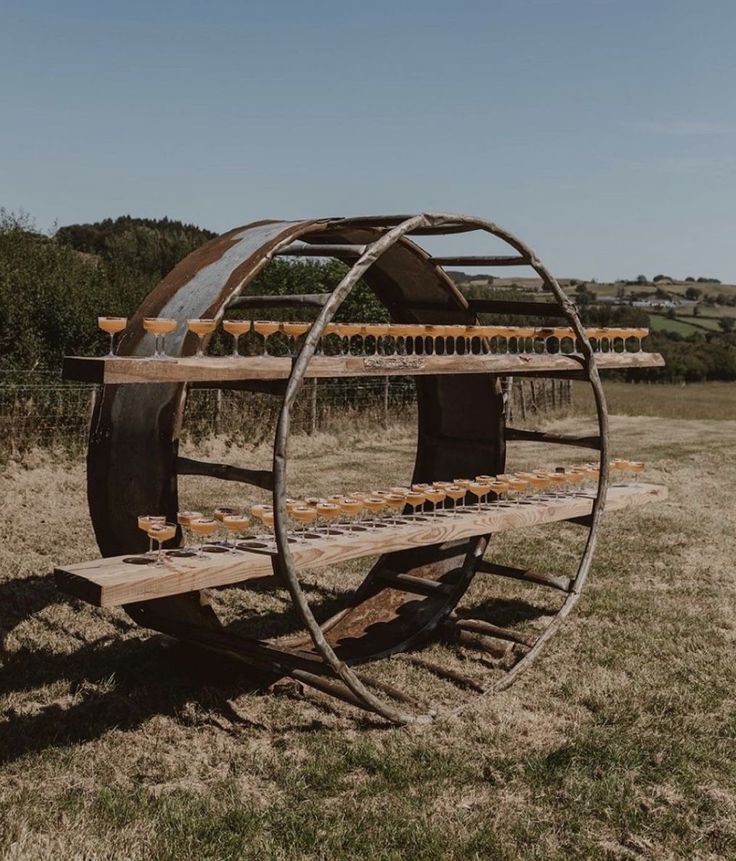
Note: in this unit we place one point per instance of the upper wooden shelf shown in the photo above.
(125, 369)
(112, 582)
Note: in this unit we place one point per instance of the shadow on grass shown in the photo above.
(117, 683)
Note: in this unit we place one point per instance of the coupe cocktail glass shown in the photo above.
(352, 507)
(328, 511)
(236, 328)
(304, 515)
(235, 523)
(161, 532)
(184, 519)
(145, 522)
(374, 504)
(203, 526)
(112, 325)
(479, 489)
(159, 327)
(201, 327)
(265, 328)
(415, 498)
(435, 495)
(456, 493)
(293, 331)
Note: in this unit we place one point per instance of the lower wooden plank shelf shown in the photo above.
(130, 369)
(112, 582)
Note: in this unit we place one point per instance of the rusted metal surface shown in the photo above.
(132, 458)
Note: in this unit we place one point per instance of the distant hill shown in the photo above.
(148, 245)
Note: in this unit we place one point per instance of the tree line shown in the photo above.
(52, 288)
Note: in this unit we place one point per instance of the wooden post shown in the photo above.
(386, 384)
(313, 407)
(218, 410)
(508, 393)
(522, 399)
(554, 396)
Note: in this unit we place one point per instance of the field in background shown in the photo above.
(691, 401)
(618, 744)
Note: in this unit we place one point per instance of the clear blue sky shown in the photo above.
(604, 133)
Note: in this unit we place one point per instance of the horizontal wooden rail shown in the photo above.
(294, 300)
(261, 387)
(417, 585)
(321, 251)
(257, 477)
(479, 260)
(539, 578)
(111, 582)
(214, 369)
(523, 309)
(522, 435)
(478, 626)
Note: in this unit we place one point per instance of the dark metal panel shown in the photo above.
(131, 459)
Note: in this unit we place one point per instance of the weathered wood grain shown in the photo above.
(130, 369)
(111, 582)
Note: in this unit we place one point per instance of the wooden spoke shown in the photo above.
(539, 578)
(321, 251)
(444, 672)
(521, 435)
(479, 260)
(418, 585)
(478, 626)
(257, 477)
(315, 300)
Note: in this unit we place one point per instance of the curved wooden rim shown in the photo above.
(286, 564)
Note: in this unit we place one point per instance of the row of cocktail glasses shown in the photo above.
(385, 338)
(316, 517)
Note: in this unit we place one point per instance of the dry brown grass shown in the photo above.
(619, 743)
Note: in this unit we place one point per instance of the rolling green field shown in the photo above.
(618, 744)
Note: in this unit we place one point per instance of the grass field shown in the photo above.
(619, 744)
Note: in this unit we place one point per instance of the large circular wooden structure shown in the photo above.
(407, 596)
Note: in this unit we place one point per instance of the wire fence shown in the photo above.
(41, 410)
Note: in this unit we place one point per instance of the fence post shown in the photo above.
(508, 392)
(313, 407)
(554, 395)
(386, 384)
(522, 402)
(218, 410)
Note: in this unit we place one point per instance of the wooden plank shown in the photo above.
(292, 300)
(480, 260)
(539, 578)
(417, 585)
(225, 472)
(506, 306)
(122, 370)
(324, 250)
(111, 582)
(522, 435)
